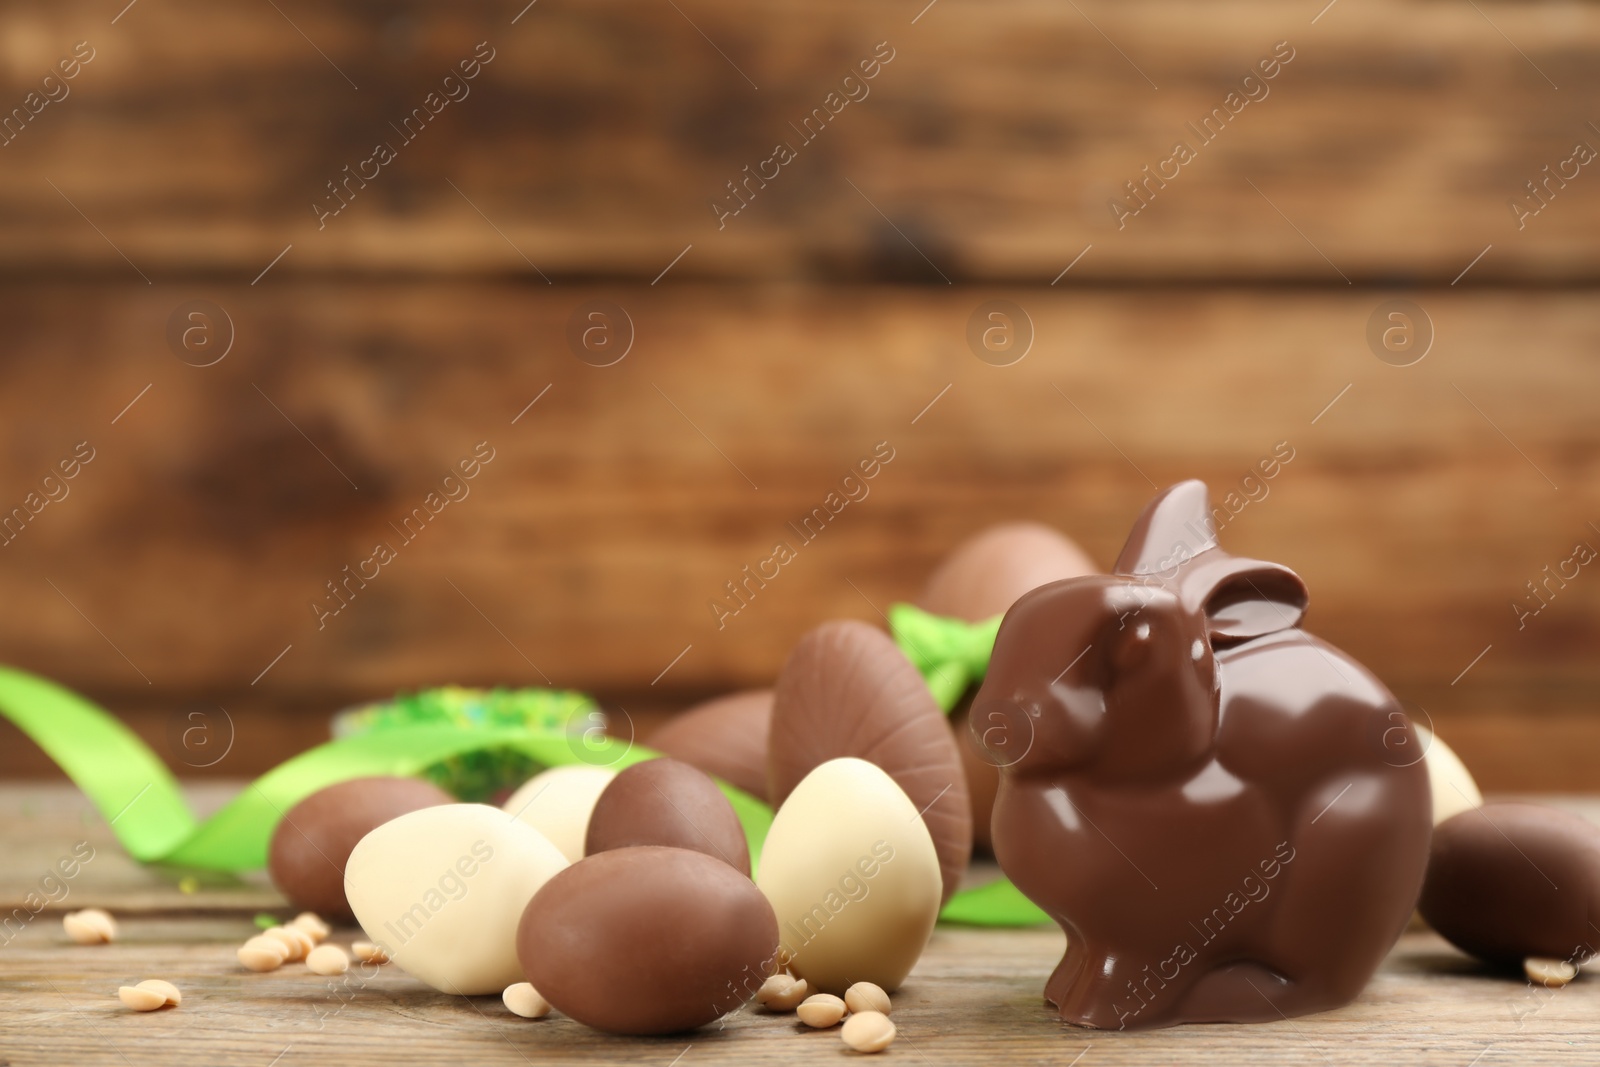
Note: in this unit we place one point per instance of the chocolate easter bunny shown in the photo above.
(1228, 817)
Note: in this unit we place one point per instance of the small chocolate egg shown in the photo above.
(557, 803)
(1510, 880)
(725, 737)
(848, 690)
(665, 802)
(985, 574)
(648, 940)
(441, 892)
(853, 877)
(312, 842)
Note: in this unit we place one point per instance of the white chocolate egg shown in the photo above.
(441, 891)
(1454, 791)
(558, 802)
(852, 875)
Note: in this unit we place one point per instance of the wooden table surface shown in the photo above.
(975, 996)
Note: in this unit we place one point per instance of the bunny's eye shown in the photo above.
(1134, 647)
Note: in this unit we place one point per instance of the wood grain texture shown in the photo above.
(974, 997)
(200, 136)
(589, 552)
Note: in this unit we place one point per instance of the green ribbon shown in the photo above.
(951, 654)
(999, 903)
(140, 799)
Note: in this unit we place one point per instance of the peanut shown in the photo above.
(367, 952)
(91, 926)
(868, 1031)
(141, 997)
(782, 993)
(311, 924)
(1552, 973)
(327, 959)
(524, 1000)
(166, 989)
(821, 1011)
(296, 942)
(865, 996)
(263, 953)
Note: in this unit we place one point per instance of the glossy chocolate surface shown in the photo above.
(1509, 880)
(1226, 815)
(848, 690)
(725, 737)
(313, 840)
(647, 940)
(667, 802)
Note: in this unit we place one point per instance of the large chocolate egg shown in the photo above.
(848, 690)
(312, 842)
(666, 802)
(648, 940)
(725, 737)
(1509, 880)
(986, 573)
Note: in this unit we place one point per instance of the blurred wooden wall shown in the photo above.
(771, 350)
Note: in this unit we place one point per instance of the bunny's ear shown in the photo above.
(1175, 542)
(1245, 598)
(1174, 528)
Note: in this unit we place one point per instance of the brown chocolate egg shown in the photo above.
(312, 842)
(1508, 880)
(986, 573)
(725, 737)
(667, 802)
(848, 690)
(648, 940)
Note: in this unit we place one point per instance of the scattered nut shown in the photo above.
(367, 952)
(269, 944)
(868, 1031)
(258, 956)
(91, 926)
(166, 989)
(295, 942)
(141, 997)
(821, 1010)
(864, 996)
(782, 993)
(327, 959)
(1549, 972)
(524, 1000)
(311, 924)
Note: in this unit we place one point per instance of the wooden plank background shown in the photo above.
(200, 135)
(374, 354)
